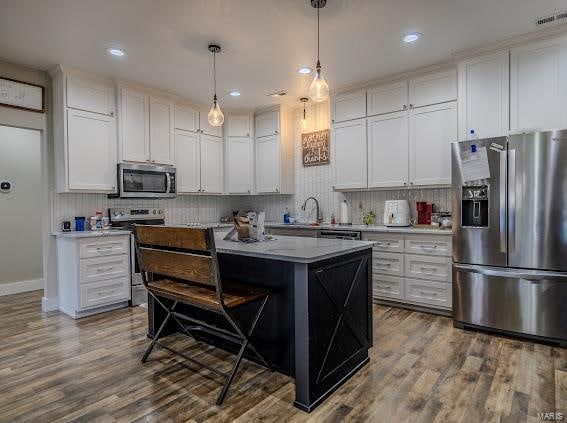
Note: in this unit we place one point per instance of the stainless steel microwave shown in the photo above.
(146, 181)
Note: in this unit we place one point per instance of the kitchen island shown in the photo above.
(317, 325)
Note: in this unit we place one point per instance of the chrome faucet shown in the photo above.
(319, 215)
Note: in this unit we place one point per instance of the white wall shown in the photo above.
(41, 122)
(20, 225)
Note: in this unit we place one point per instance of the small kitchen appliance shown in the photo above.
(424, 211)
(397, 213)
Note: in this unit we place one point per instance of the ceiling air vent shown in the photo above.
(545, 20)
(277, 94)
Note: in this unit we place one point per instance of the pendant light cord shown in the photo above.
(318, 7)
(215, 73)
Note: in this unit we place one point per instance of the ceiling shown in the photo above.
(263, 41)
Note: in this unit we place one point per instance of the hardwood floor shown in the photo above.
(53, 368)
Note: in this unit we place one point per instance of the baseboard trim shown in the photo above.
(49, 304)
(20, 286)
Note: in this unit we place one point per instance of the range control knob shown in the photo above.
(155, 211)
(160, 211)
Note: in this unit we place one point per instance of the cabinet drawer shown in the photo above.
(388, 264)
(100, 268)
(388, 287)
(392, 243)
(428, 292)
(434, 245)
(428, 267)
(104, 246)
(104, 292)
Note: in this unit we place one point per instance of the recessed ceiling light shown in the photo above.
(115, 51)
(234, 93)
(411, 37)
(304, 70)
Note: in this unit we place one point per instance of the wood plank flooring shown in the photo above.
(53, 368)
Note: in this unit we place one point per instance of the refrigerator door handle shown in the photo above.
(531, 275)
(512, 199)
(502, 209)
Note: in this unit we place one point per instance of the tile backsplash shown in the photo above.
(313, 181)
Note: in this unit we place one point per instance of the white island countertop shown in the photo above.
(361, 228)
(292, 248)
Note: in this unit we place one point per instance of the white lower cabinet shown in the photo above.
(412, 269)
(93, 273)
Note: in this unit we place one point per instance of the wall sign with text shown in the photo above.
(22, 95)
(315, 147)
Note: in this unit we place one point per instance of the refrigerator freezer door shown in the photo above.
(537, 198)
(516, 300)
(480, 245)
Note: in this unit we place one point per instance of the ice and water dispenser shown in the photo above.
(474, 207)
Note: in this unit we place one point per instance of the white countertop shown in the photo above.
(91, 234)
(292, 248)
(362, 228)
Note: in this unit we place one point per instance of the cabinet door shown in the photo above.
(349, 106)
(91, 151)
(205, 127)
(538, 87)
(388, 150)
(387, 98)
(267, 124)
(135, 126)
(211, 164)
(188, 162)
(186, 118)
(239, 165)
(484, 96)
(238, 126)
(433, 88)
(431, 131)
(161, 131)
(349, 155)
(89, 95)
(268, 164)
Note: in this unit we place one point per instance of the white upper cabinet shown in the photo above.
(268, 164)
(433, 88)
(239, 164)
(84, 132)
(267, 124)
(146, 127)
(90, 95)
(134, 126)
(188, 161)
(186, 118)
(211, 164)
(349, 106)
(484, 96)
(205, 127)
(388, 150)
(91, 151)
(538, 85)
(161, 131)
(238, 126)
(387, 98)
(431, 131)
(348, 150)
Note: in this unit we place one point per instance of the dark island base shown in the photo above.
(316, 327)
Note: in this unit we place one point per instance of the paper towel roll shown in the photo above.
(344, 218)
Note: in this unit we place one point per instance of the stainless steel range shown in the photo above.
(510, 234)
(123, 219)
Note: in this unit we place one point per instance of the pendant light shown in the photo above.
(304, 119)
(215, 116)
(319, 89)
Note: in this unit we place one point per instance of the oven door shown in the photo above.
(146, 181)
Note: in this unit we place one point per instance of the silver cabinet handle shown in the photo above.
(103, 248)
(429, 269)
(405, 183)
(277, 190)
(333, 121)
(247, 135)
(512, 200)
(411, 183)
(104, 269)
(275, 132)
(411, 106)
(384, 264)
(101, 293)
(111, 113)
(405, 107)
(428, 247)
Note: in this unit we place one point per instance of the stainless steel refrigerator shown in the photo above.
(510, 234)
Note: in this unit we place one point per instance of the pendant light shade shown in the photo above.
(304, 119)
(319, 89)
(215, 116)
